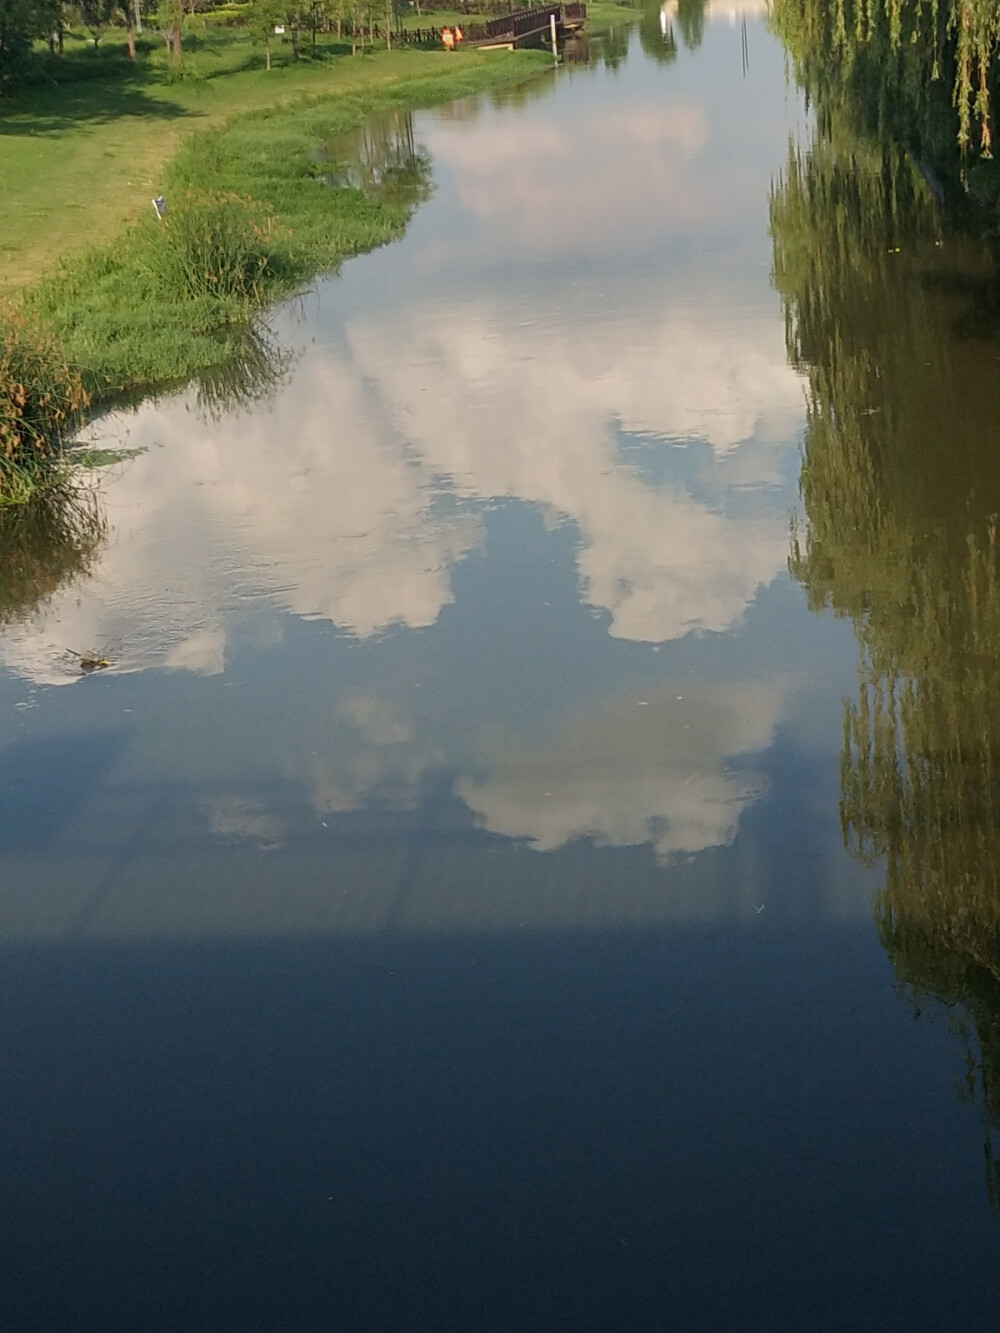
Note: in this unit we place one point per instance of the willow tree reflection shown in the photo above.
(383, 159)
(892, 318)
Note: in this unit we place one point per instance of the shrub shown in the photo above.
(42, 401)
(214, 247)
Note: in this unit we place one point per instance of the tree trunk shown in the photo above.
(295, 41)
(130, 37)
(175, 40)
(267, 53)
(388, 25)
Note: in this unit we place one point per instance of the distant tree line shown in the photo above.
(26, 24)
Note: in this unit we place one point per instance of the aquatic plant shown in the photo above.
(42, 401)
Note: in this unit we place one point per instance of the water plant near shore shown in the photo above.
(42, 401)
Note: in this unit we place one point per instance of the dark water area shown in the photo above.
(531, 859)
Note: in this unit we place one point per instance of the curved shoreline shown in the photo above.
(133, 322)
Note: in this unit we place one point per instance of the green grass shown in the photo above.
(250, 219)
(80, 157)
(85, 148)
(252, 210)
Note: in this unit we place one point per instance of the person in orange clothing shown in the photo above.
(459, 35)
(447, 39)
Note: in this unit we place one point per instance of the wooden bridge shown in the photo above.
(522, 26)
(518, 28)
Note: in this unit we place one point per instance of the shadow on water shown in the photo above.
(45, 782)
(378, 1132)
(256, 370)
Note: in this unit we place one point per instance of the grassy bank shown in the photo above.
(251, 217)
(254, 212)
(84, 148)
(79, 159)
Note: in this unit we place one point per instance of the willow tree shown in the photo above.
(902, 55)
(893, 320)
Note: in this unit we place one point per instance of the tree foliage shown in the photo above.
(907, 58)
(21, 21)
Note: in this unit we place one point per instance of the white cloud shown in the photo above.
(634, 771)
(328, 505)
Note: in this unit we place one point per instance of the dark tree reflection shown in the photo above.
(255, 370)
(890, 316)
(383, 160)
(45, 544)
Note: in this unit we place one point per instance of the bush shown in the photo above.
(214, 247)
(42, 401)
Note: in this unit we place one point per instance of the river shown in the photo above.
(474, 895)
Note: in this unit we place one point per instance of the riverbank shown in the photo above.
(82, 152)
(252, 215)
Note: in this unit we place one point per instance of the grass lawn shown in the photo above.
(103, 300)
(82, 157)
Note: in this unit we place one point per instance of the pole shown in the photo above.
(552, 31)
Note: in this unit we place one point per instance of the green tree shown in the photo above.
(169, 21)
(263, 16)
(21, 21)
(920, 64)
(96, 15)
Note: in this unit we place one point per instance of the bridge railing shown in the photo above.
(514, 25)
(522, 21)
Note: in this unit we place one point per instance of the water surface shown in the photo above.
(439, 914)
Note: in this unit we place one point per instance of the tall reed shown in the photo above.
(42, 401)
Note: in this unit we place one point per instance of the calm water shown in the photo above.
(439, 915)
